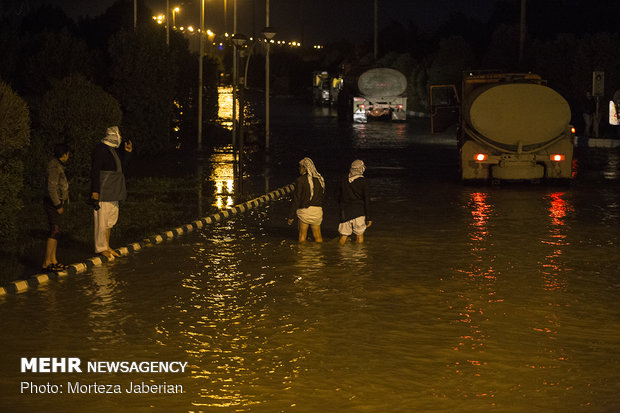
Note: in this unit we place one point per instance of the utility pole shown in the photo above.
(168, 22)
(200, 70)
(267, 75)
(225, 16)
(522, 33)
(234, 80)
(376, 29)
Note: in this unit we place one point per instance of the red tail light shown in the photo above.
(400, 106)
(480, 157)
(362, 106)
(557, 158)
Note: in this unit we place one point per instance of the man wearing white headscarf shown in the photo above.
(354, 201)
(308, 200)
(108, 186)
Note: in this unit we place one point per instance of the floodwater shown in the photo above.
(462, 299)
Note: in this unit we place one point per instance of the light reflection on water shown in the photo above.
(612, 168)
(268, 325)
(225, 106)
(553, 265)
(223, 177)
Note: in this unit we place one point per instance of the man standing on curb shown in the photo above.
(55, 203)
(108, 186)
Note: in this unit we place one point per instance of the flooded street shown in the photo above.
(463, 298)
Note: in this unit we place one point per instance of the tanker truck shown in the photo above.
(513, 128)
(377, 93)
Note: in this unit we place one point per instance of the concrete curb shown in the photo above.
(34, 281)
(596, 142)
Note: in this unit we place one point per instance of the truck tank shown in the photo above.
(514, 127)
(375, 93)
(383, 81)
(509, 115)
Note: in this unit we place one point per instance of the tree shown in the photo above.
(473, 31)
(14, 140)
(78, 112)
(598, 52)
(143, 80)
(418, 88)
(503, 52)
(553, 60)
(60, 55)
(454, 56)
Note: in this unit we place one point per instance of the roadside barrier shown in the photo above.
(34, 281)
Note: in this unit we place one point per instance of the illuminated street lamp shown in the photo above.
(239, 40)
(174, 11)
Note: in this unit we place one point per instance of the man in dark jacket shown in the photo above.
(307, 201)
(354, 201)
(54, 203)
(108, 186)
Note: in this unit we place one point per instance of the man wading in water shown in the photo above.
(308, 200)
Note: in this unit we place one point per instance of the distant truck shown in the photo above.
(377, 93)
(321, 88)
(513, 128)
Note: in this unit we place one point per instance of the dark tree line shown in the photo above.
(76, 78)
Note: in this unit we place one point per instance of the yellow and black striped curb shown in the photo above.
(33, 282)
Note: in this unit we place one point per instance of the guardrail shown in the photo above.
(34, 281)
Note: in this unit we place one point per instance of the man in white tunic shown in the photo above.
(108, 186)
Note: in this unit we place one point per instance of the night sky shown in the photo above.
(310, 21)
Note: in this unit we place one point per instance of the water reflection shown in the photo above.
(472, 300)
(479, 236)
(223, 177)
(323, 111)
(354, 256)
(553, 265)
(480, 213)
(105, 316)
(228, 321)
(225, 104)
(310, 258)
(613, 165)
(383, 134)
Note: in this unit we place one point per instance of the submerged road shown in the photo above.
(462, 298)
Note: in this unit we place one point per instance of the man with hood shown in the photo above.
(353, 202)
(108, 186)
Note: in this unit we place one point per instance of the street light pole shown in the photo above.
(267, 75)
(234, 73)
(239, 41)
(168, 22)
(376, 48)
(242, 54)
(200, 70)
(522, 33)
